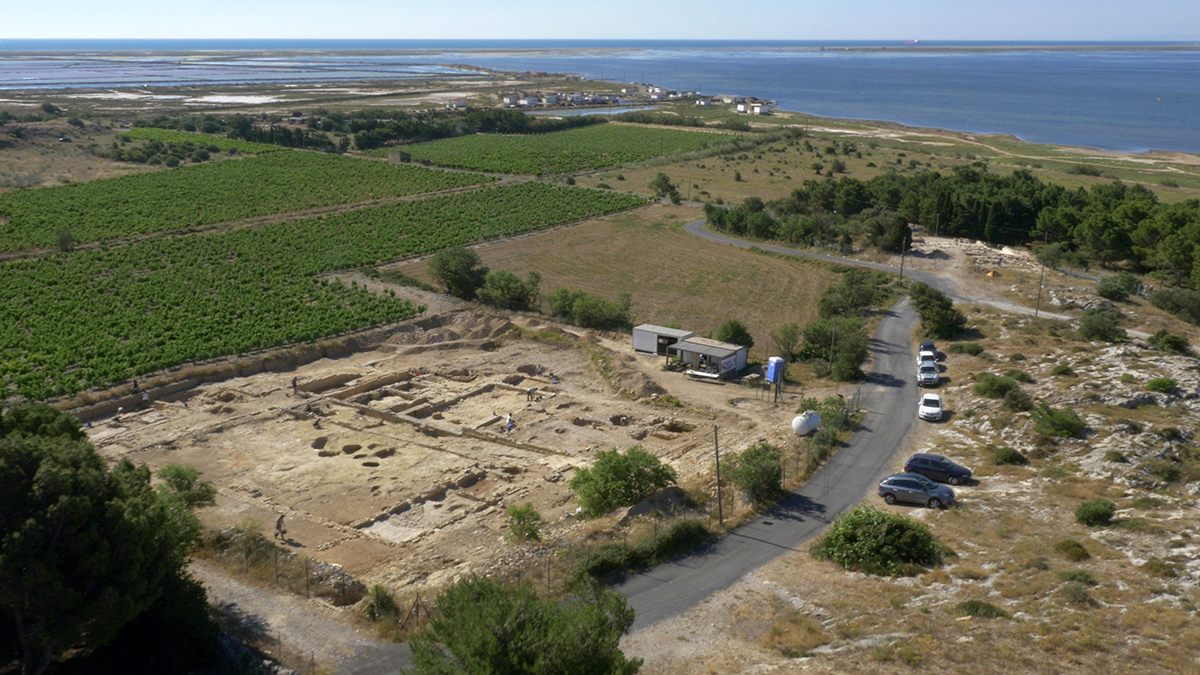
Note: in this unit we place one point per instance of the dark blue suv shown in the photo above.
(936, 467)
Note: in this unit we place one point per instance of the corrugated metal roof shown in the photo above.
(707, 347)
(663, 330)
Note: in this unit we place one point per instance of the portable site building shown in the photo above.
(710, 358)
(656, 339)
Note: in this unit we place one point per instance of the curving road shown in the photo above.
(888, 398)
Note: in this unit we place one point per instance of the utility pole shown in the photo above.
(903, 250)
(717, 450)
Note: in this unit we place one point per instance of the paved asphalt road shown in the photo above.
(889, 399)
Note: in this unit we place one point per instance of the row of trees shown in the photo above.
(374, 129)
(463, 274)
(1108, 224)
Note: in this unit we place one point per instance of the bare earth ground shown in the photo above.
(406, 480)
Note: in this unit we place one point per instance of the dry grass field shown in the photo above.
(675, 278)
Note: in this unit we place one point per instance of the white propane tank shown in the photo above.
(806, 423)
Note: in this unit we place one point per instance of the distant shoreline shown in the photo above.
(58, 48)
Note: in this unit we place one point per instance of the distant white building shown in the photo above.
(550, 99)
(704, 100)
(457, 104)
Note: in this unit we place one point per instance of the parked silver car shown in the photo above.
(913, 488)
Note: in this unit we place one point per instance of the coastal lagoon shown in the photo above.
(1119, 97)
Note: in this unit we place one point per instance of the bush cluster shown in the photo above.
(1096, 513)
(994, 386)
(1059, 423)
(972, 348)
(1001, 456)
(980, 609)
(1182, 302)
(869, 540)
(1073, 550)
(1170, 343)
(612, 561)
(939, 319)
(592, 311)
(1100, 325)
(1162, 385)
(1117, 288)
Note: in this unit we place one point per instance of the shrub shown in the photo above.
(1017, 357)
(1110, 288)
(869, 540)
(381, 605)
(1100, 325)
(1073, 550)
(1183, 303)
(1162, 385)
(980, 609)
(506, 290)
(994, 386)
(527, 523)
(1058, 423)
(1161, 568)
(1077, 593)
(609, 562)
(1018, 400)
(1115, 456)
(1081, 576)
(1019, 376)
(1168, 342)
(757, 473)
(1002, 456)
(618, 479)
(1062, 369)
(1096, 513)
(971, 348)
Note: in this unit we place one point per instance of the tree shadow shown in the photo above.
(243, 627)
(884, 380)
(794, 506)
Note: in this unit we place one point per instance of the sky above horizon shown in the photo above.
(1014, 20)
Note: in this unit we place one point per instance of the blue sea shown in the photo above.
(1098, 95)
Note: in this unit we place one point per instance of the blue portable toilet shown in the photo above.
(775, 367)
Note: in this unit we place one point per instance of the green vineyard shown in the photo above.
(91, 318)
(205, 194)
(593, 147)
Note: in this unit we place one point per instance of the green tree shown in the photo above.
(939, 318)
(460, 269)
(619, 479)
(734, 332)
(786, 340)
(663, 187)
(837, 346)
(527, 523)
(183, 482)
(83, 549)
(756, 472)
(506, 290)
(488, 626)
(1100, 324)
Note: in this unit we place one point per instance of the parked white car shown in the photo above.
(930, 408)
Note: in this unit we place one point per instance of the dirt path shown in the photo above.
(308, 632)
